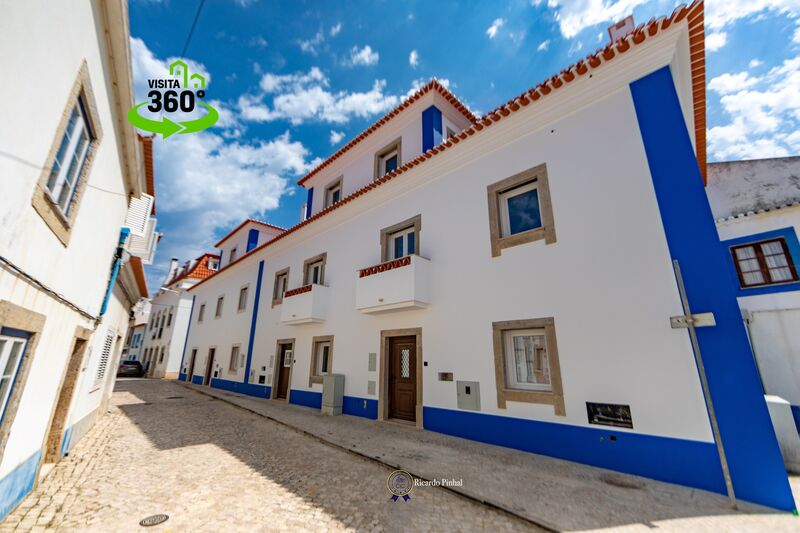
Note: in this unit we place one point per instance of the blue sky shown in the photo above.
(295, 80)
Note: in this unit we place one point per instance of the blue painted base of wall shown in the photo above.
(679, 461)
(306, 398)
(197, 380)
(17, 484)
(65, 442)
(181, 377)
(250, 389)
(367, 408)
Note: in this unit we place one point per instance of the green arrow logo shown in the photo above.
(167, 127)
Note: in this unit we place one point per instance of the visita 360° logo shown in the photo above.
(182, 94)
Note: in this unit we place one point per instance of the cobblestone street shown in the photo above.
(214, 467)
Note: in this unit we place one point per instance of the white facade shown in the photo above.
(245, 238)
(754, 202)
(62, 290)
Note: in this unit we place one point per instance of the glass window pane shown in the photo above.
(523, 212)
(4, 386)
(11, 364)
(748, 252)
(749, 265)
(780, 274)
(753, 278)
(773, 247)
(531, 366)
(405, 363)
(411, 237)
(398, 247)
(390, 164)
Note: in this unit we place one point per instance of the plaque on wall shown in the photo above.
(609, 414)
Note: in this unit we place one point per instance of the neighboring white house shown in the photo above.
(757, 207)
(165, 335)
(70, 167)
(511, 278)
(138, 324)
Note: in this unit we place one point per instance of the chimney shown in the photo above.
(621, 29)
(173, 266)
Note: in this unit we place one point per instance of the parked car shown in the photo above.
(130, 369)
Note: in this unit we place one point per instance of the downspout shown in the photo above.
(123, 236)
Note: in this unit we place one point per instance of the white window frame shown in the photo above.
(511, 375)
(336, 187)
(383, 160)
(318, 265)
(8, 344)
(404, 234)
(505, 196)
(241, 307)
(71, 162)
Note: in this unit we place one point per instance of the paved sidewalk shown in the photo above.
(214, 467)
(550, 492)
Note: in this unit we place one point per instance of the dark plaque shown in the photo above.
(609, 414)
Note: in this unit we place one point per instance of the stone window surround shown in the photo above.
(313, 377)
(415, 221)
(310, 261)
(548, 229)
(42, 203)
(555, 396)
(276, 299)
(396, 144)
(16, 317)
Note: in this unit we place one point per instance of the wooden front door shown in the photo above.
(190, 370)
(209, 366)
(284, 367)
(402, 393)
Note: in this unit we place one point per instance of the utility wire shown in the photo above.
(191, 31)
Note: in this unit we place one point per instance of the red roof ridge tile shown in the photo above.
(637, 36)
(434, 84)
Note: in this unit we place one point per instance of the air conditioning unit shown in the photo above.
(144, 246)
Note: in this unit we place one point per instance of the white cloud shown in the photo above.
(336, 137)
(258, 41)
(576, 47)
(311, 46)
(336, 29)
(573, 16)
(716, 40)
(796, 36)
(413, 58)
(206, 181)
(305, 97)
(493, 29)
(543, 46)
(755, 63)
(730, 83)
(720, 14)
(363, 56)
(417, 84)
(764, 113)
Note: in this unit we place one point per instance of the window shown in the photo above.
(280, 286)
(764, 263)
(161, 325)
(61, 184)
(526, 359)
(213, 263)
(387, 159)
(233, 365)
(450, 133)
(11, 350)
(333, 193)
(233, 256)
(169, 318)
(401, 239)
(520, 210)
(526, 363)
(218, 311)
(102, 365)
(161, 355)
(321, 358)
(242, 299)
(201, 312)
(314, 270)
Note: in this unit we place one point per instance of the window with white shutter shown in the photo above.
(102, 366)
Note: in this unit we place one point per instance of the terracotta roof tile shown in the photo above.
(595, 61)
(199, 270)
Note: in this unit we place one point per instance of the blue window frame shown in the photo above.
(13, 344)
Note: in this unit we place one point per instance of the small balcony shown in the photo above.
(305, 305)
(394, 285)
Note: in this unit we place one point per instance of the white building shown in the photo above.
(166, 331)
(71, 165)
(757, 207)
(510, 279)
(136, 330)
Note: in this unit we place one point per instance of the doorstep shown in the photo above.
(552, 493)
